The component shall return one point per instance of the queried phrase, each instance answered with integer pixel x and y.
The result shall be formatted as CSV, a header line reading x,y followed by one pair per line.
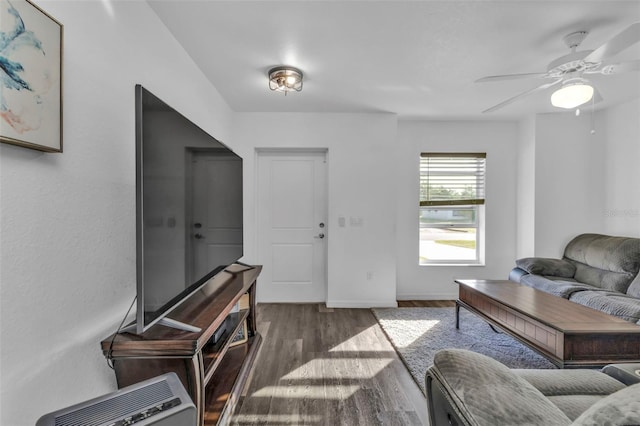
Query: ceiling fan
x,y
569,70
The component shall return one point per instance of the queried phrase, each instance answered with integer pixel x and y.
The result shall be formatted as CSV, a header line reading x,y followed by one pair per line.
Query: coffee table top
x,y
554,311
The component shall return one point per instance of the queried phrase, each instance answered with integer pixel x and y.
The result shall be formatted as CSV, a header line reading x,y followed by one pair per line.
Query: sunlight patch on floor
x,y
339,368
306,392
421,327
326,379
276,419
355,342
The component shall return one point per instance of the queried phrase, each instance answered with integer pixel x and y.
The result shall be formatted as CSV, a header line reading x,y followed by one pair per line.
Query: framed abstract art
x,y
30,77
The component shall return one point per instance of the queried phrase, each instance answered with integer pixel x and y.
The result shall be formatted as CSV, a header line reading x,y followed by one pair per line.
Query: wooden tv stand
x,y
213,374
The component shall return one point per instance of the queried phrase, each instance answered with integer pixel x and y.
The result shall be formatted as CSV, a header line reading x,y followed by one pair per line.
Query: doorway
x,y
292,225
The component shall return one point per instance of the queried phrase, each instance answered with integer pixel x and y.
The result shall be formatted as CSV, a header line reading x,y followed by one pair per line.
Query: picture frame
x,y
31,88
241,335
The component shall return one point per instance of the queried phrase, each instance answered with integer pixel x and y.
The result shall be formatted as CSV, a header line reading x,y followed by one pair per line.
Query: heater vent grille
x,y
119,406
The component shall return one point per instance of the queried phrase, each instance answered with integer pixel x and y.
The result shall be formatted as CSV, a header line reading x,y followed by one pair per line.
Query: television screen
x,y
189,208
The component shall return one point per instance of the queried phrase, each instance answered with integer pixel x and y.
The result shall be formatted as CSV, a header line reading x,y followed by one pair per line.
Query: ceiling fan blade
x,y
522,95
626,38
619,68
597,97
511,77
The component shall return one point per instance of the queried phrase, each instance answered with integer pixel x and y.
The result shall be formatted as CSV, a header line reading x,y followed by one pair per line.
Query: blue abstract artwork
x,y
30,77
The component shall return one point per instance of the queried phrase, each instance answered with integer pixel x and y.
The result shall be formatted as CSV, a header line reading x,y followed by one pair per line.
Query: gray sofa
x,y
598,271
467,388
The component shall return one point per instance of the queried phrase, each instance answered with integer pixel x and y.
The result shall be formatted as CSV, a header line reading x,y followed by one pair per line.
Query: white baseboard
x,y
293,302
362,304
430,296
373,303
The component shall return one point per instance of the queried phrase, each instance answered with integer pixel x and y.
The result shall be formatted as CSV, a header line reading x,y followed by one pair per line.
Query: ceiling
x,y
417,59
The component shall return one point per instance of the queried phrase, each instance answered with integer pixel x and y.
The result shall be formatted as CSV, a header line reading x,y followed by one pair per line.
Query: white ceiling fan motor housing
x,y
574,61
574,40
571,63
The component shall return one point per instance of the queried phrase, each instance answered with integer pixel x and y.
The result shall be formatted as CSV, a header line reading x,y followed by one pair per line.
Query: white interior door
x,y
292,226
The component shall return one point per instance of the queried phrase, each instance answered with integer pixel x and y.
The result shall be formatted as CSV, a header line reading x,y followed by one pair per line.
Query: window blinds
x,y
448,179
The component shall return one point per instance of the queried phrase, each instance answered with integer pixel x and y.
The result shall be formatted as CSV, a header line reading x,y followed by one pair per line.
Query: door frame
x,y
258,152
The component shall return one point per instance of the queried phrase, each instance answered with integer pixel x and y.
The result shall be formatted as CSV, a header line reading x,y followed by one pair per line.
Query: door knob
x,y
320,235
198,236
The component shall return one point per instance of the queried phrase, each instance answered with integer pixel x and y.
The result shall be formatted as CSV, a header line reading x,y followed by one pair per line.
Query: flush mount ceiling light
x,y
285,79
574,92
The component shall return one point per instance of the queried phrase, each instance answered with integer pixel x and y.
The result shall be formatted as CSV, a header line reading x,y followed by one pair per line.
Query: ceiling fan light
x,y
572,95
285,79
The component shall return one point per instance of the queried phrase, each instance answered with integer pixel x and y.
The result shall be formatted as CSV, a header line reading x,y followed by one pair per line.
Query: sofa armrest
x,y
546,266
478,390
442,411
629,374
517,273
619,408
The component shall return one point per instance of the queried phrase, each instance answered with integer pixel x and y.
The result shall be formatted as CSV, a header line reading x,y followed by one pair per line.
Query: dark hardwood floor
x,y
321,366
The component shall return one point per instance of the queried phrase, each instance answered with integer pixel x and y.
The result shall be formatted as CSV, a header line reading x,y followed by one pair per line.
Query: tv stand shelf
x,y
214,374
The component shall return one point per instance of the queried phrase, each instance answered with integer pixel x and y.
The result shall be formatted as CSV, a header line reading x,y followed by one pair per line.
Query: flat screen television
x,y
188,209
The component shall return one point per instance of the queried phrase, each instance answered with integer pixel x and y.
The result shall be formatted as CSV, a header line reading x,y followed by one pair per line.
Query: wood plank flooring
x,y
321,366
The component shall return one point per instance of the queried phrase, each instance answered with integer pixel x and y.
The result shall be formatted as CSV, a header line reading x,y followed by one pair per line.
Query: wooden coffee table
x,y
568,334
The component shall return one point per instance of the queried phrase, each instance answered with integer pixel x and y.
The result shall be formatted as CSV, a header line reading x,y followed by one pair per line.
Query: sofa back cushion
x,y
634,287
604,261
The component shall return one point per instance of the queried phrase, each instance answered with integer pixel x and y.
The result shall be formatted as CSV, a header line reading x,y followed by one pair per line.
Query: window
x,y
451,207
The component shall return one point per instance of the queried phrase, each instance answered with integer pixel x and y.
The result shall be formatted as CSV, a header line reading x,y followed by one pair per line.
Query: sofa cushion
x,y
612,303
607,280
574,405
572,391
517,273
490,393
634,287
570,382
547,266
604,261
561,288
620,408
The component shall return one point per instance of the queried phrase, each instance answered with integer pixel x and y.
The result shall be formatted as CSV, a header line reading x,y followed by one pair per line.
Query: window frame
x,y
477,203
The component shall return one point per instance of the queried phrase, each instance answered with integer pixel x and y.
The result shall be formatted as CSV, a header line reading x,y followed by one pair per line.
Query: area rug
x,y
418,333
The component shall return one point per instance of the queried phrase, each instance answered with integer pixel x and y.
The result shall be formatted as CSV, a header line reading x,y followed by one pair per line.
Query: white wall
x,y
499,140
569,179
361,184
572,180
526,185
621,206
67,221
